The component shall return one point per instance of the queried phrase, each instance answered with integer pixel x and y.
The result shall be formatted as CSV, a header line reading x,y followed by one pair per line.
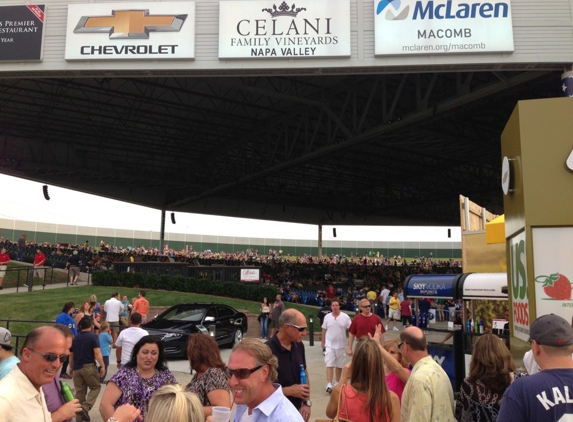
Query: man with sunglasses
x,y
287,346
21,395
363,324
251,371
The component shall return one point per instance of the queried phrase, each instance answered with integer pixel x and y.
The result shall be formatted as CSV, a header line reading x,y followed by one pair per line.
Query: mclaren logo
x,y
130,24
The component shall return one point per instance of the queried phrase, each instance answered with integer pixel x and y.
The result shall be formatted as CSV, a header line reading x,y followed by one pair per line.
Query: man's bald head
x,y
290,316
415,339
39,334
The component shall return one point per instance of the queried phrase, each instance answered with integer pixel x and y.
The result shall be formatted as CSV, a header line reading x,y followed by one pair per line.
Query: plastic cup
x,y
221,414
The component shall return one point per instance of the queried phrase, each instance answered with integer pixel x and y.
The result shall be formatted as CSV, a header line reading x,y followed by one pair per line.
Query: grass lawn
x,y
45,305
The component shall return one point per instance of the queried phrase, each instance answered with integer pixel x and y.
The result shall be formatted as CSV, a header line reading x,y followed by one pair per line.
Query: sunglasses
x,y
365,306
241,373
300,329
401,344
51,357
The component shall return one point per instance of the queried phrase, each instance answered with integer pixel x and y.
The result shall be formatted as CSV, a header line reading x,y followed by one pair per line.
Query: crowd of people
x,y
387,380
369,266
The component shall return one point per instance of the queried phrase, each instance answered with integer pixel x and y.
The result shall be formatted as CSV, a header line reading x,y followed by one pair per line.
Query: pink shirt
x,y
354,406
395,384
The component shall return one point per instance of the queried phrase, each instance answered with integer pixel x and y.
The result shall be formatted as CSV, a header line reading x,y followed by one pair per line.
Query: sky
x,y
24,200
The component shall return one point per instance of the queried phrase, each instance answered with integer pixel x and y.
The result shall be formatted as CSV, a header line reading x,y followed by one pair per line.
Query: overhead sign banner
x,y
131,31
21,32
442,27
430,285
267,29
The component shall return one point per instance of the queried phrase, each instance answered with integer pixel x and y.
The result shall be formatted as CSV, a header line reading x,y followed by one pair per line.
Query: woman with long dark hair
x,y
210,379
264,317
136,382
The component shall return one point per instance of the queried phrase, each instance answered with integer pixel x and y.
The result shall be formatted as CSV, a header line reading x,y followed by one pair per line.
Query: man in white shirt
x,y
127,339
21,396
383,301
334,328
113,309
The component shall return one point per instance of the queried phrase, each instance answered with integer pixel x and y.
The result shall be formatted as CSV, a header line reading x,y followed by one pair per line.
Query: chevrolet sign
x,y
127,31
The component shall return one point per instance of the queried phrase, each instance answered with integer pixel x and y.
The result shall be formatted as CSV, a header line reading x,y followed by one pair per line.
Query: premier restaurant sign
x,y
267,29
127,31
442,27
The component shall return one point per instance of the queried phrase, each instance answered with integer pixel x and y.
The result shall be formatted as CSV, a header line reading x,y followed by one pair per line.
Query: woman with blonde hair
x,y
210,381
395,367
492,371
365,398
172,403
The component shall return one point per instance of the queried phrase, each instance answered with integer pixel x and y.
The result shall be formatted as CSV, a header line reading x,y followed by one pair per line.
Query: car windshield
x,y
181,313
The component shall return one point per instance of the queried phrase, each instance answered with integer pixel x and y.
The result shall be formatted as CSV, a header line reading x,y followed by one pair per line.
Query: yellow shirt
x,y
371,295
394,303
428,395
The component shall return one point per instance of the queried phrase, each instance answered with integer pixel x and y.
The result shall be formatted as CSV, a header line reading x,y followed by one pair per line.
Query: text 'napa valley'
x,y
278,38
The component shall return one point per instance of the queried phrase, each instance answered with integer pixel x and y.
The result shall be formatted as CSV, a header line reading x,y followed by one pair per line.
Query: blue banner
x,y
446,359
432,285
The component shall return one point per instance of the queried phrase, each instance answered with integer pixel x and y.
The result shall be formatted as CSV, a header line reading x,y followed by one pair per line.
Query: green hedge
x,y
230,289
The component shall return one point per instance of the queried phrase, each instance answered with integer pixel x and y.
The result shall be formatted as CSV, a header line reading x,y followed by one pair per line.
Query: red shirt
x,y
330,292
406,308
362,325
4,258
39,259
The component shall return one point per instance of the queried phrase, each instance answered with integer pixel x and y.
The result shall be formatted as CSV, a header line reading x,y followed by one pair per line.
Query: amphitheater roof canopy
x,y
363,145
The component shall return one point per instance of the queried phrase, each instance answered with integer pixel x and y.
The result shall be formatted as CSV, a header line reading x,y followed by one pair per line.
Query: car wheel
x,y
237,337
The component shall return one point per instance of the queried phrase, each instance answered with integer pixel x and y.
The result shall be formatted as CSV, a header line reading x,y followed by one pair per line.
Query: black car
x,y
175,325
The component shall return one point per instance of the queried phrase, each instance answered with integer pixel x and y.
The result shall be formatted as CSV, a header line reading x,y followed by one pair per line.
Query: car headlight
x,y
171,335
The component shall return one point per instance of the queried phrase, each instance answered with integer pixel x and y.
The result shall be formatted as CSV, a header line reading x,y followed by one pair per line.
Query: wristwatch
x,y
308,403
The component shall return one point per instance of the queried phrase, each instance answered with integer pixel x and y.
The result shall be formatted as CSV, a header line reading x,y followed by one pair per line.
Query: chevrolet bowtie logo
x,y
130,24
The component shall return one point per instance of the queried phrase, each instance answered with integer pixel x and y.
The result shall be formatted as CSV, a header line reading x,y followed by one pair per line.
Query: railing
x,y
26,276
21,337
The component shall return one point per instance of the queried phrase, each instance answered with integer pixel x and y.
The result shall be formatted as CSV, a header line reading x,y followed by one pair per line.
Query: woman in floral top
x,y
492,370
209,381
135,383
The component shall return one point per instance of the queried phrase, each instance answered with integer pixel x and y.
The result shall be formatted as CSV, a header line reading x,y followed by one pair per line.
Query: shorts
x,y
3,271
407,319
274,324
114,326
335,358
123,320
74,271
394,314
39,273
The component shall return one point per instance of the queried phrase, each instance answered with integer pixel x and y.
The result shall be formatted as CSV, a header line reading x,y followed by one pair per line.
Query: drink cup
x,y
221,414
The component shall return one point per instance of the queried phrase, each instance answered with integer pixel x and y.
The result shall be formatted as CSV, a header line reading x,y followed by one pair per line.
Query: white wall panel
x,y
543,33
